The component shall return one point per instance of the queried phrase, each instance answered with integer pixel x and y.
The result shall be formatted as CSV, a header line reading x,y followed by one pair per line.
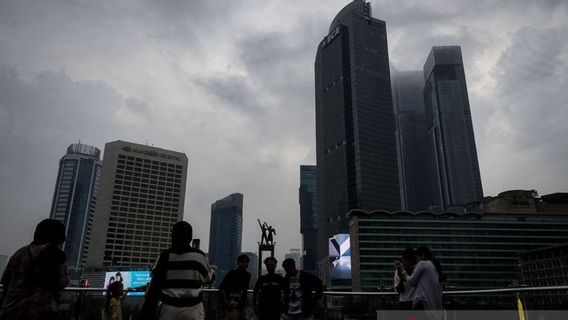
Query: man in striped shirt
x,y
177,279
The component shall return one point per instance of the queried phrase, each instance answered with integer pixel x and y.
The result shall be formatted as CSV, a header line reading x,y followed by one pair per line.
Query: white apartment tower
x,y
141,196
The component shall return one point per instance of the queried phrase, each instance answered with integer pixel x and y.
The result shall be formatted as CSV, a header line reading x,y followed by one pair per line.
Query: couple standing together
x,y
418,280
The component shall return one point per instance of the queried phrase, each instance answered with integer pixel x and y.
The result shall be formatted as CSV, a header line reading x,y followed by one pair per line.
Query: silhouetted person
x,y
268,290
405,291
298,287
35,275
113,306
233,290
177,279
426,277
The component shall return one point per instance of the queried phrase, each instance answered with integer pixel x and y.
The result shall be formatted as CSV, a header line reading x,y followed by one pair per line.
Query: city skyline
x,y
232,86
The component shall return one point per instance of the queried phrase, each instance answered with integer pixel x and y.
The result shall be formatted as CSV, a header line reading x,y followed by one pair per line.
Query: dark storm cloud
x,y
231,84
40,114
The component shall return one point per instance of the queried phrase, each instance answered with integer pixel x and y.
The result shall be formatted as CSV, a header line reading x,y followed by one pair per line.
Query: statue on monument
x,y
267,233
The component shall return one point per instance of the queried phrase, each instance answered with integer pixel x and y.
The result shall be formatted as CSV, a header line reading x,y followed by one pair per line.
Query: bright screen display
x,y
130,280
340,257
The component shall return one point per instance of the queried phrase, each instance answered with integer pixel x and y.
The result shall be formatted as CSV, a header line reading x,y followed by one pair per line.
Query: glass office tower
x,y
225,234
449,122
355,125
415,148
74,199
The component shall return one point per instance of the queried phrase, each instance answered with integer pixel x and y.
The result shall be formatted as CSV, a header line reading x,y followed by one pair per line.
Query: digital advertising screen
x,y
129,279
340,257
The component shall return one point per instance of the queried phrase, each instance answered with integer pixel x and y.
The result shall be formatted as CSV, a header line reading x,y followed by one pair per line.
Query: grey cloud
x,y
248,130
235,92
136,105
40,114
529,76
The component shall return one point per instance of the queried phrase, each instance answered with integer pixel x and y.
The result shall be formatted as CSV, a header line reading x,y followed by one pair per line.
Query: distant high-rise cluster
x,y
225,234
118,212
355,126
405,146
75,197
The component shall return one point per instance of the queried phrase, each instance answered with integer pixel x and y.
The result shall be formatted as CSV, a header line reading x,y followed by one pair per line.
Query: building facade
x,y
476,251
74,200
449,123
309,214
415,148
519,201
141,196
355,125
225,233
545,267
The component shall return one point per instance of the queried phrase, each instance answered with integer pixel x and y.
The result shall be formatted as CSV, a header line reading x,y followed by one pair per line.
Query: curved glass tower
x,y
355,125
75,197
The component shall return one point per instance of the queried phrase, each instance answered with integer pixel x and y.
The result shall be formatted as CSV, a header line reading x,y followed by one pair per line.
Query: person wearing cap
x,y
268,290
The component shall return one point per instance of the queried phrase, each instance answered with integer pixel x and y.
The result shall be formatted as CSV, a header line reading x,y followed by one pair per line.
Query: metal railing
x,y
537,303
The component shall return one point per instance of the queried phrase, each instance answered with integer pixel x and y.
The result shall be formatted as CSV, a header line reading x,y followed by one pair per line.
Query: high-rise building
x,y
415,147
225,234
449,122
309,217
355,125
74,200
141,196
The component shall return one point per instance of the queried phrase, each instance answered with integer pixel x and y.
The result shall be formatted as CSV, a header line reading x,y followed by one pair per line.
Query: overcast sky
x,y
230,83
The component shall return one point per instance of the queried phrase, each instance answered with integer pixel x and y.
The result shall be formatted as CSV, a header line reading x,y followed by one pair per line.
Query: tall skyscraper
x,y
74,199
141,196
309,216
225,234
355,125
415,147
448,119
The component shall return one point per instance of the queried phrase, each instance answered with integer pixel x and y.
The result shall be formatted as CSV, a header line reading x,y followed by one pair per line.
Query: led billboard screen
x,y
130,280
340,257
